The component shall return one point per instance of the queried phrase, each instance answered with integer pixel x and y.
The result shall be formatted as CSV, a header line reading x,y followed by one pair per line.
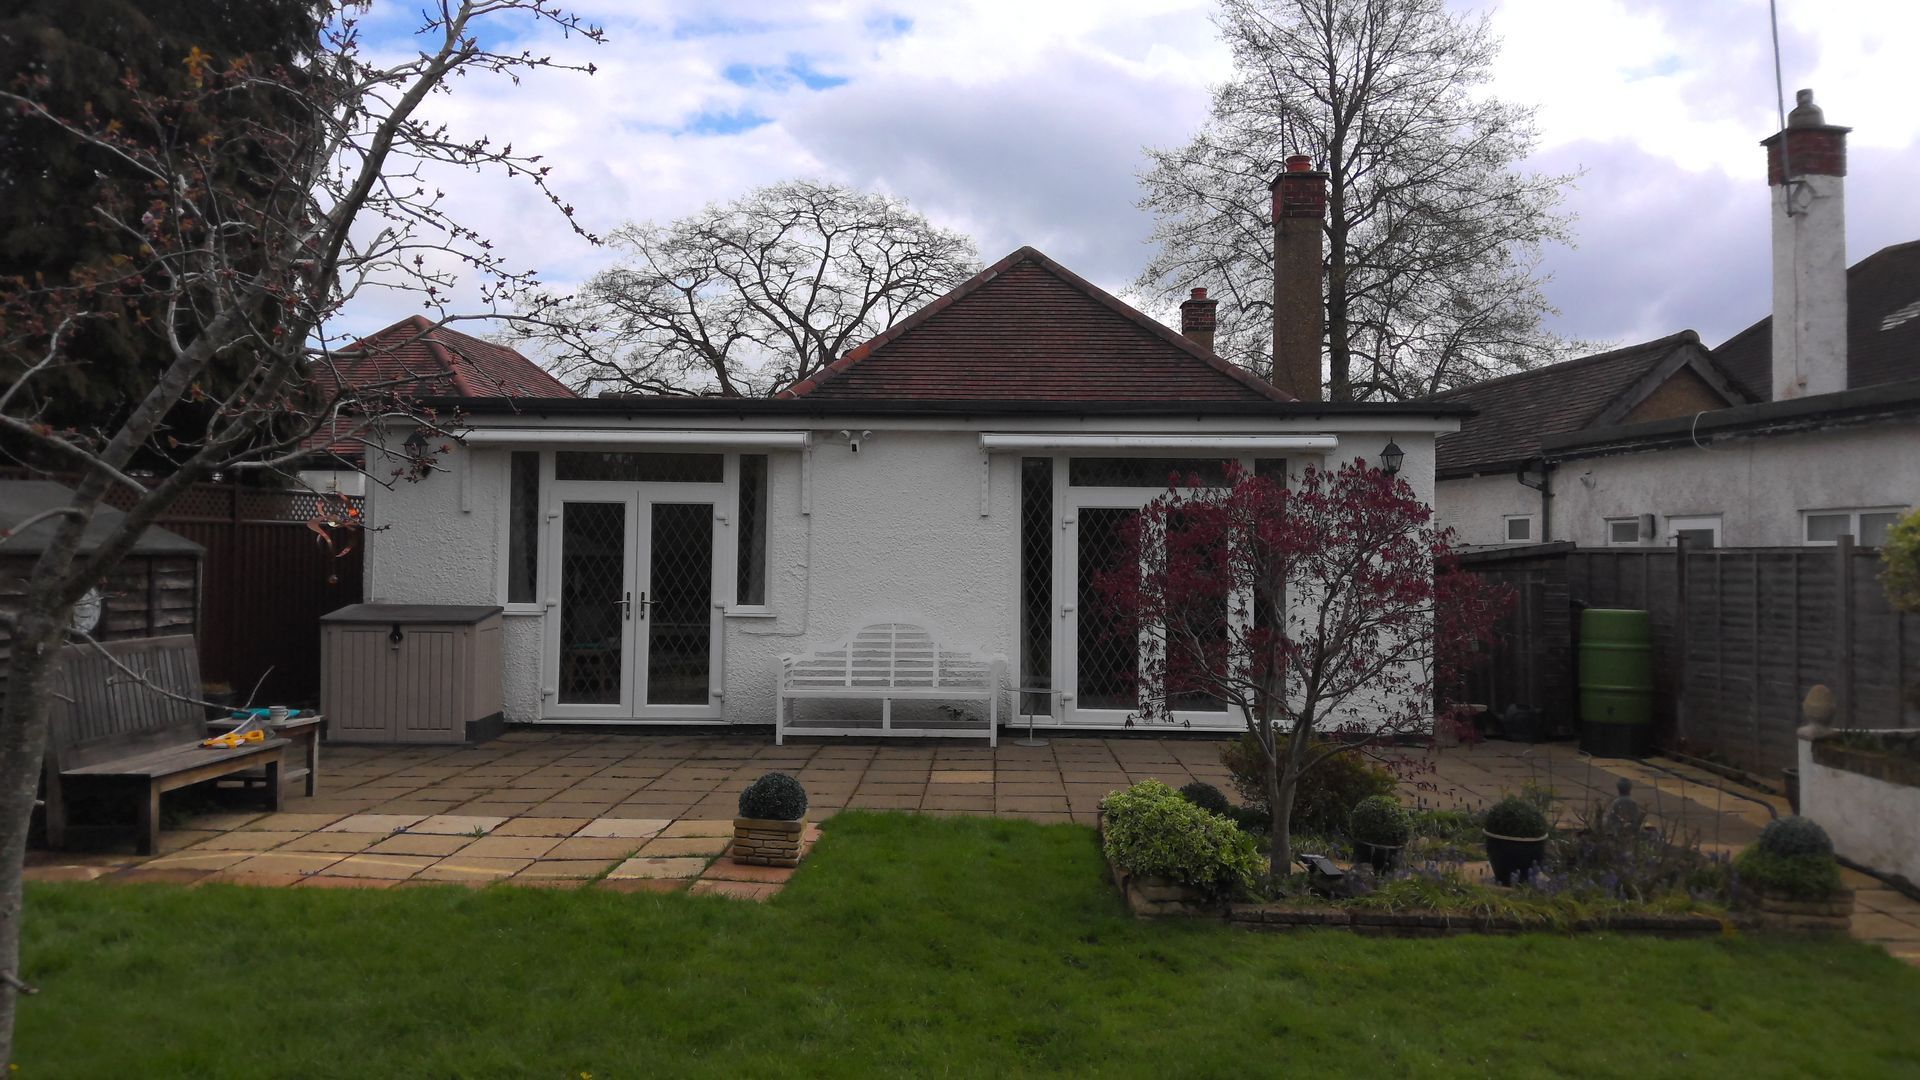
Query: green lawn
x,y
906,946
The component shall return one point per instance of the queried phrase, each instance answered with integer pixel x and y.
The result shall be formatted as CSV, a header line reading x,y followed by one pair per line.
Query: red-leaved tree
x,y
1327,611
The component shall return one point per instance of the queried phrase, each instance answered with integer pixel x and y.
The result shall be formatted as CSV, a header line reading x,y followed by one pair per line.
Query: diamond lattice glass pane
x,y
523,528
593,553
639,467
751,584
680,609
1208,623
1109,657
1036,581
1142,471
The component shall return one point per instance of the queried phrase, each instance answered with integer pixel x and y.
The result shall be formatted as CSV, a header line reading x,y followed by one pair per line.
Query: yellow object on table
x,y
233,739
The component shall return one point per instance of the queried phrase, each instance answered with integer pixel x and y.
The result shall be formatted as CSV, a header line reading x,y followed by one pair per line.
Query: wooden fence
x,y
265,582
1740,635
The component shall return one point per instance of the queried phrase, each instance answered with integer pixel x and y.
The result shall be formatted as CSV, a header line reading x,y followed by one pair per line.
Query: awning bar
x,y
734,440
994,442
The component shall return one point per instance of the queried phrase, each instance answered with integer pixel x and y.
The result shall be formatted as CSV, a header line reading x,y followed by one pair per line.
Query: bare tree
x,y
750,297
1433,231
248,236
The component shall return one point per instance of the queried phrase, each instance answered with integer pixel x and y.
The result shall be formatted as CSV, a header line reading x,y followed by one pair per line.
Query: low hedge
x,y
1153,831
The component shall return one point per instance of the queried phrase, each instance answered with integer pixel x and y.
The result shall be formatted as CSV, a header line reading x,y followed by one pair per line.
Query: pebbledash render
x,y
967,470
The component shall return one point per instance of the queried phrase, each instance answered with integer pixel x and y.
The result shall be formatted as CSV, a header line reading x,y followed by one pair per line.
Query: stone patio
x,y
649,812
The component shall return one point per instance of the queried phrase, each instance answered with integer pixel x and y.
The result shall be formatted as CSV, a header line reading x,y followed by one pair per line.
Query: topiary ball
x,y
1517,818
774,797
1795,836
1379,819
1206,797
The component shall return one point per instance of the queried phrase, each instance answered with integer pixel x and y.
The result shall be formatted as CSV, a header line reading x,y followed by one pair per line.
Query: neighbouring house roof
x,y
22,499
1883,327
1887,403
1028,329
1515,412
423,359
418,359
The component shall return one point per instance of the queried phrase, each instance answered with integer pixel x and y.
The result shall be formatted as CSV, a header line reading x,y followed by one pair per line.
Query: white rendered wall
x,y
1476,508
1759,486
893,530
1871,821
1809,287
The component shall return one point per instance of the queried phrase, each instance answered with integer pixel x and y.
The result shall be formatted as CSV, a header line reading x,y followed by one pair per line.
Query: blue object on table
x,y
262,714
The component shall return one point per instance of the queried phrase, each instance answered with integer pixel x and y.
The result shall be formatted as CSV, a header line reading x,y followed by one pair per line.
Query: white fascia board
x,y
636,438
1009,442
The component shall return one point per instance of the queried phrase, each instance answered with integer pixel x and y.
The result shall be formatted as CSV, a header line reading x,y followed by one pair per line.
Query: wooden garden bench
x,y
890,661
108,733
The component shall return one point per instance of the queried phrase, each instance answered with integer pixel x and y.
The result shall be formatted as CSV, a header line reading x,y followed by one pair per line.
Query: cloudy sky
x,y
1022,122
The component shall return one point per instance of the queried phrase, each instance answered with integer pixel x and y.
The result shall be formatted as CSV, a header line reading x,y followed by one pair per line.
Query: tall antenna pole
x,y
1780,102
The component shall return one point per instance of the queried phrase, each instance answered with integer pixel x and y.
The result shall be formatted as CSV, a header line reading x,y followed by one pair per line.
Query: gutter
x,y
744,408
1821,412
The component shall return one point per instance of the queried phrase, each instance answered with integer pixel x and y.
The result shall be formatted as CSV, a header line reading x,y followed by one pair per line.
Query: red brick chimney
x,y
1299,311
1197,319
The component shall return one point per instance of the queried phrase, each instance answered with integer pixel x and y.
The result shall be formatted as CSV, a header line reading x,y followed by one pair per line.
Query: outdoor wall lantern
x,y
1390,457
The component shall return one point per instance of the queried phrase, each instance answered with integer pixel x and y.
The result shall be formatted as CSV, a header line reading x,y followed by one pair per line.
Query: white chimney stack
x,y
1806,173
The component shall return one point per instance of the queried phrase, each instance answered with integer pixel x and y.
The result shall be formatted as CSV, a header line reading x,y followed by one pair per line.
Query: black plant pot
x,y
1792,777
1382,857
1514,858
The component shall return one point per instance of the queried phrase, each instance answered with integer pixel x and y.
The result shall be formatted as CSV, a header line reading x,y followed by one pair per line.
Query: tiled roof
x,y
1028,329
415,358
438,360
1514,411
1883,327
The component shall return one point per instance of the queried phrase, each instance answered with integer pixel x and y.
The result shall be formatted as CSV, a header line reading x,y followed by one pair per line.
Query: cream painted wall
x,y
1759,487
894,530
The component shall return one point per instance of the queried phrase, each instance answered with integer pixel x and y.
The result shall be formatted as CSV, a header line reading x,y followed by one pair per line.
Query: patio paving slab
x,y
408,843
511,847
471,868
374,823
301,823
282,862
734,890
686,845
194,860
324,881
567,868
367,865
344,842
457,824
642,866
690,827
623,827
540,826
607,848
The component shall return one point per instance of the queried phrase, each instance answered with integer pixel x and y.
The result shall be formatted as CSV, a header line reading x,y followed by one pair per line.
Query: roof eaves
x,y
1863,405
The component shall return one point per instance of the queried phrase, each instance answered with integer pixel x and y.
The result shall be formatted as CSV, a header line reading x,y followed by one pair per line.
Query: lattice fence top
x,y
220,502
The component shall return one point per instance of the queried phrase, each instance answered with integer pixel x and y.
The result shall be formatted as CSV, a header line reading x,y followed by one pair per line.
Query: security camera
x,y
853,440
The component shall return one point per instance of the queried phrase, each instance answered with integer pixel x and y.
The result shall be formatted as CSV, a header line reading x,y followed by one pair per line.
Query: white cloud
x,y
1022,122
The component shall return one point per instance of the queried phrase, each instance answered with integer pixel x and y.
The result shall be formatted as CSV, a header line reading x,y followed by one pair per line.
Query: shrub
x,y
1517,817
1326,793
1789,836
1900,554
1206,797
1800,877
1151,830
774,797
1379,819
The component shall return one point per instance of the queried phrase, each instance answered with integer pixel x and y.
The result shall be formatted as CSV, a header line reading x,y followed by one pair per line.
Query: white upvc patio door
x,y
633,632
1097,669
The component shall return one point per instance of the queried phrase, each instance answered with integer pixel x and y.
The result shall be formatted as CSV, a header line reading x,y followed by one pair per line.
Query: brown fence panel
x,y
1740,636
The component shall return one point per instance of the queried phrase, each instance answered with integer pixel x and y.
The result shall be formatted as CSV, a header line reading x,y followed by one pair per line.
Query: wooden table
x,y
303,732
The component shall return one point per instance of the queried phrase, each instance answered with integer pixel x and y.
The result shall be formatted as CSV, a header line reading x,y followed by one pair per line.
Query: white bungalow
x,y
968,469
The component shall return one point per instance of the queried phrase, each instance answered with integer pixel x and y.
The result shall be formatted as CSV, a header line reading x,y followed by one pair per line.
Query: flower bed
x,y
1864,788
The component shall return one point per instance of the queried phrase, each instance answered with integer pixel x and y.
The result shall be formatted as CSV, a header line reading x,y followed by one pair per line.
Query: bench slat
x,y
175,760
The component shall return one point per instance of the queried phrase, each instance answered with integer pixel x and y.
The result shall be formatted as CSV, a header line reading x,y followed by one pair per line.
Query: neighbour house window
x,y
1867,527
751,584
523,527
1623,531
1701,531
639,467
1519,528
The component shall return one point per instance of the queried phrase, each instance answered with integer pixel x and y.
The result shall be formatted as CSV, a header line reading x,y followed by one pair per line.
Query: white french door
x,y
634,633
1098,668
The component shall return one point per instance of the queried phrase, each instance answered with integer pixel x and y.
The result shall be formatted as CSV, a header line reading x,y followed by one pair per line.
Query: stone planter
x,y
1515,857
766,842
1829,916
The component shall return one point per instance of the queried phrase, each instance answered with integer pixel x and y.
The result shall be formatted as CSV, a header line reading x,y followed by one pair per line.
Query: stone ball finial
x,y
1818,708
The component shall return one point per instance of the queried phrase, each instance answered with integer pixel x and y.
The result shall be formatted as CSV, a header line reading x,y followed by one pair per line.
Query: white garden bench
x,y
888,661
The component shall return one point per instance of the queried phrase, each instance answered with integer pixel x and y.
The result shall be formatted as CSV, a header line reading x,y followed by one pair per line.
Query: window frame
x,y
1506,528
1853,514
1693,523
734,467
1637,541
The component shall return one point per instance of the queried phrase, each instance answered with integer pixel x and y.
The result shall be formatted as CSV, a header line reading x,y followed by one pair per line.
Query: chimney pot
x,y
1197,319
1299,163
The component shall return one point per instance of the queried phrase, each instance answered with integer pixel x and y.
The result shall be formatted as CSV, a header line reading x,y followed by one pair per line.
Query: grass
x,y
907,946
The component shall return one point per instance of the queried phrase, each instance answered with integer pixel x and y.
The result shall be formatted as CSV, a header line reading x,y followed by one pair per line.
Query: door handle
x,y
644,605
626,607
